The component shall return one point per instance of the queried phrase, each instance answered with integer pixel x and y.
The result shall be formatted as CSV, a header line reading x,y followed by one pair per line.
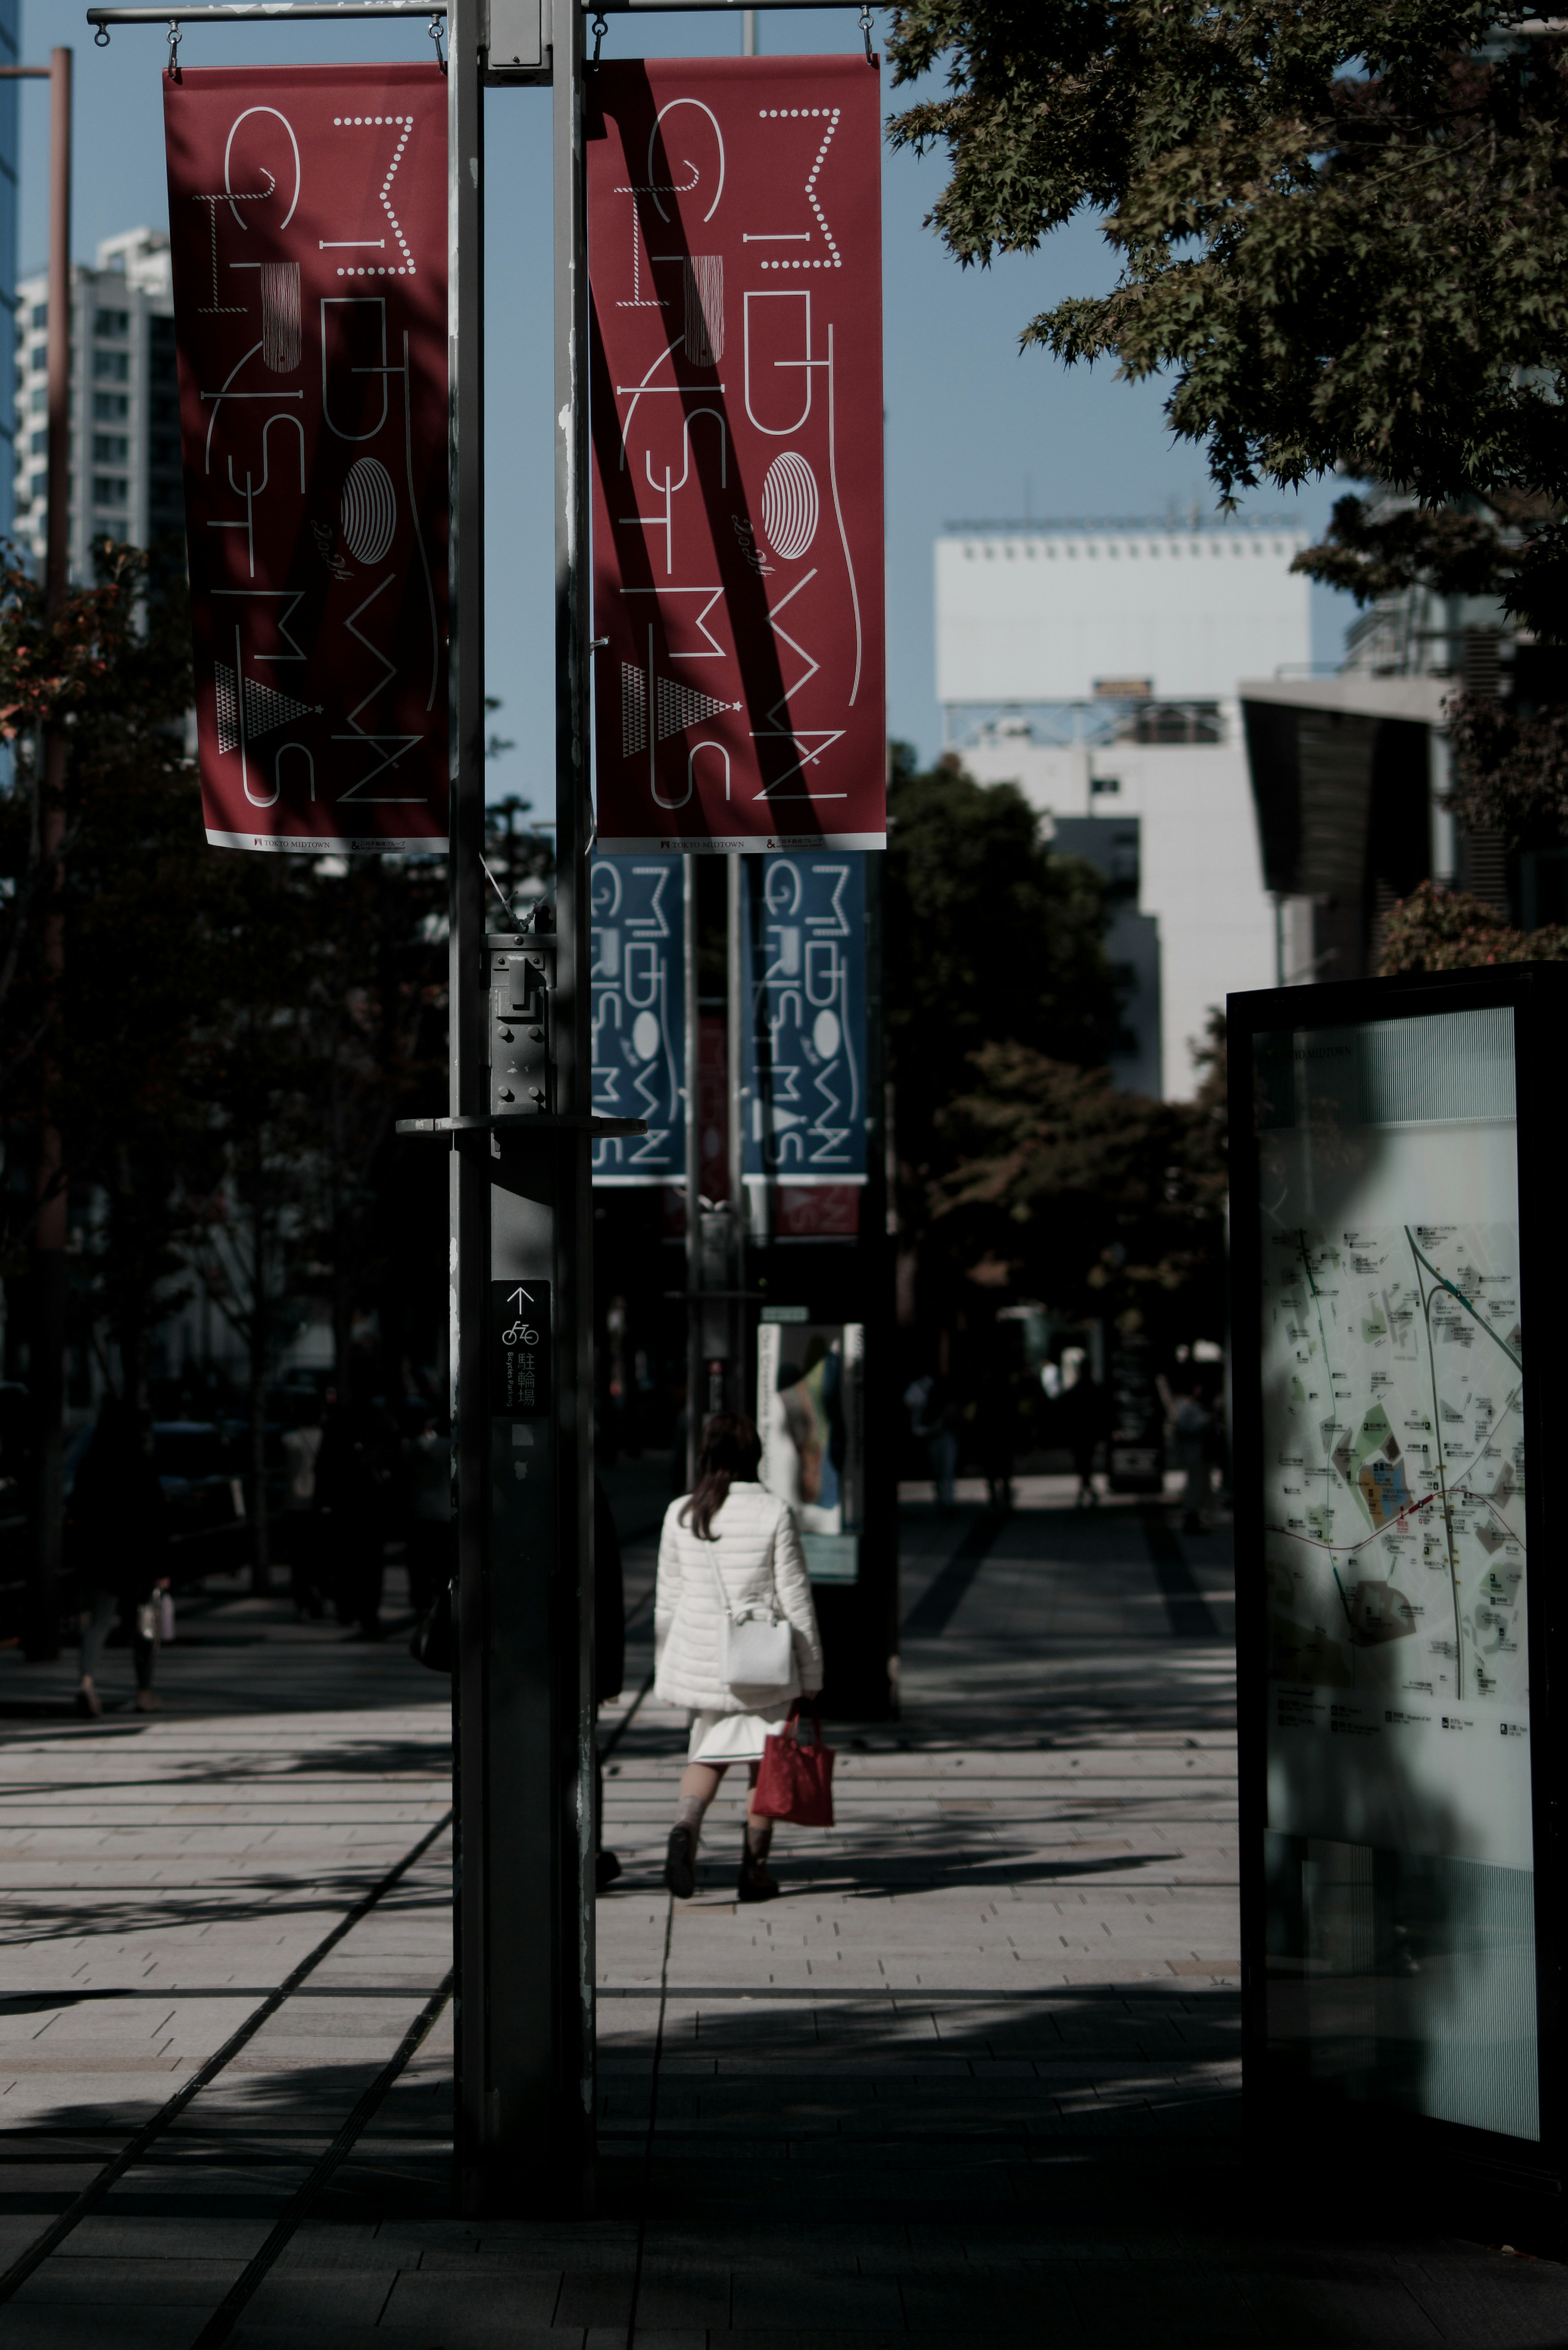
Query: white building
x,y
1066,615
1185,813
1098,668
125,472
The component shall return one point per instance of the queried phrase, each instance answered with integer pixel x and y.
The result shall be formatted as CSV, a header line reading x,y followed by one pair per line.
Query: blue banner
x,y
803,945
639,1016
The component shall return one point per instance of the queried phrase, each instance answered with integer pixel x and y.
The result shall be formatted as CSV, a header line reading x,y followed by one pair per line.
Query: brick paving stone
x,y
973,2081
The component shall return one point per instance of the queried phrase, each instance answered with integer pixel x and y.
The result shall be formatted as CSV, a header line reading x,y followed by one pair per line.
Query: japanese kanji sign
x,y
735,265
308,210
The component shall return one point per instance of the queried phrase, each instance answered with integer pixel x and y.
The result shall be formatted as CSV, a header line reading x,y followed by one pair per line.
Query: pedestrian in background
x,y
117,1538
352,1474
425,1476
1083,1416
934,1419
1191,1422
609,1658
301,1448
729,1549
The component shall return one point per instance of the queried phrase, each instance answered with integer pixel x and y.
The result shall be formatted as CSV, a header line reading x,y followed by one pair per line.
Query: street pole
x,y
520,1123
467,1043
736,1007
46,1342
694,1411
748,32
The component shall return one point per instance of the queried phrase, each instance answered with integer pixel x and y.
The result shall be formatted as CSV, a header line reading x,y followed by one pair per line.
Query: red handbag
x,y
795,1782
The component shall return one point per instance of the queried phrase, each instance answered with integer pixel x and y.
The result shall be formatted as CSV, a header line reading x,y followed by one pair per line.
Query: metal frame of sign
x,y
1293,2113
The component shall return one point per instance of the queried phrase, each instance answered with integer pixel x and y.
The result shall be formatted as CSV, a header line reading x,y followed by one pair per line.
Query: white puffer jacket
x,y
755,1551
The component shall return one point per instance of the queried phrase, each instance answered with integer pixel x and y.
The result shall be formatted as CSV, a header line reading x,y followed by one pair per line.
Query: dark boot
x,y
680,1863
756,1881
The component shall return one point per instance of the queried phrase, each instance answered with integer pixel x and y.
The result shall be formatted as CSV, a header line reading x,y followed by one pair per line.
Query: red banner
x,y
307,212
734,239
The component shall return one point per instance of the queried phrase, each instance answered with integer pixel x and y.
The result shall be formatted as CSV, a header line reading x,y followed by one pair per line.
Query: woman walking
x,y
728,1560
117,1537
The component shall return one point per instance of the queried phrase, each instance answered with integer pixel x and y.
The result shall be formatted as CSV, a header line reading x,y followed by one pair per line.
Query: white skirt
x,y
734,1737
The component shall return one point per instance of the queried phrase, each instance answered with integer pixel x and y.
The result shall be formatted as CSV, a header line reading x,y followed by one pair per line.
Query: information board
x,y
308,236
803,972
1399,1805
639,1016
734,246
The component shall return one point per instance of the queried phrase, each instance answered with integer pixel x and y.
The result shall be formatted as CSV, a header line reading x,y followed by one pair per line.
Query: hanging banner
x,y
734,242
307,213
639,1016
803,950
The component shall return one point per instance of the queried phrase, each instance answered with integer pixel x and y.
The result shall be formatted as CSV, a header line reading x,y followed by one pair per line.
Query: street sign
x,y
307,213
520,1351
803,974
735,260
639,1016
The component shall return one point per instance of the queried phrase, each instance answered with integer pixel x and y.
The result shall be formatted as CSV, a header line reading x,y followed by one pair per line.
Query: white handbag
x,y
756,1646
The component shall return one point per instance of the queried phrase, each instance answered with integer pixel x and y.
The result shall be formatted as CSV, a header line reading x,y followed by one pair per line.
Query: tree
x,y
143,912
1447,929
1343,232
989,937
1098,1203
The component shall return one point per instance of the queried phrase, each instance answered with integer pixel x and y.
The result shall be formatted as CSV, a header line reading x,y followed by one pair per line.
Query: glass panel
x,y
1401,1893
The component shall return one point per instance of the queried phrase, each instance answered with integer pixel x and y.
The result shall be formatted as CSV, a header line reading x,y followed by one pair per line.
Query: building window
x,y
163,450
111,367
38,399
110,449
39,357
113,324
110,407
164,410
40,317
109,490
41,442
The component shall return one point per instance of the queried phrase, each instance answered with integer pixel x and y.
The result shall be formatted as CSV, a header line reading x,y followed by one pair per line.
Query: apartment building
x,y
125,476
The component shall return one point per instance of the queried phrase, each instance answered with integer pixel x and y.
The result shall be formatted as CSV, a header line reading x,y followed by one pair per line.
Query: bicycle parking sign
x,y
520,1350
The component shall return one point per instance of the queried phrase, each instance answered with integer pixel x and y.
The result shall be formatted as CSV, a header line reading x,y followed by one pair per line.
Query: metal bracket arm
x,y
241,12
518,1121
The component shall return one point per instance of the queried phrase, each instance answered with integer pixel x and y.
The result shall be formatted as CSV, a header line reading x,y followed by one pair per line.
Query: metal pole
x,y
45,1374
694,1412
735,1071
469,1091
748,32
564,2153
525,2093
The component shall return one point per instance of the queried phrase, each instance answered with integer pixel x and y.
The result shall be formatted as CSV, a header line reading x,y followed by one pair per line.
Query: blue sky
x,y
974,429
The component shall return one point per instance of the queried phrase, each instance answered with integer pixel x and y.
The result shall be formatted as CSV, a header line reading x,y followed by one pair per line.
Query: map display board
x,y
803,947
1394,1481
307,217
734,247
639,1016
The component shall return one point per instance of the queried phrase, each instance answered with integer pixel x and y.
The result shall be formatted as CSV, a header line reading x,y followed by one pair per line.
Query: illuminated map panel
x,y
1401,1931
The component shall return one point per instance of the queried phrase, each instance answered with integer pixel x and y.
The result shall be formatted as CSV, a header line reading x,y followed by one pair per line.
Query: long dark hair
x,y
731,1448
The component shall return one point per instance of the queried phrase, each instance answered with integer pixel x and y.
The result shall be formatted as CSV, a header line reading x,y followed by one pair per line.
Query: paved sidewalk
x,y
973,2080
